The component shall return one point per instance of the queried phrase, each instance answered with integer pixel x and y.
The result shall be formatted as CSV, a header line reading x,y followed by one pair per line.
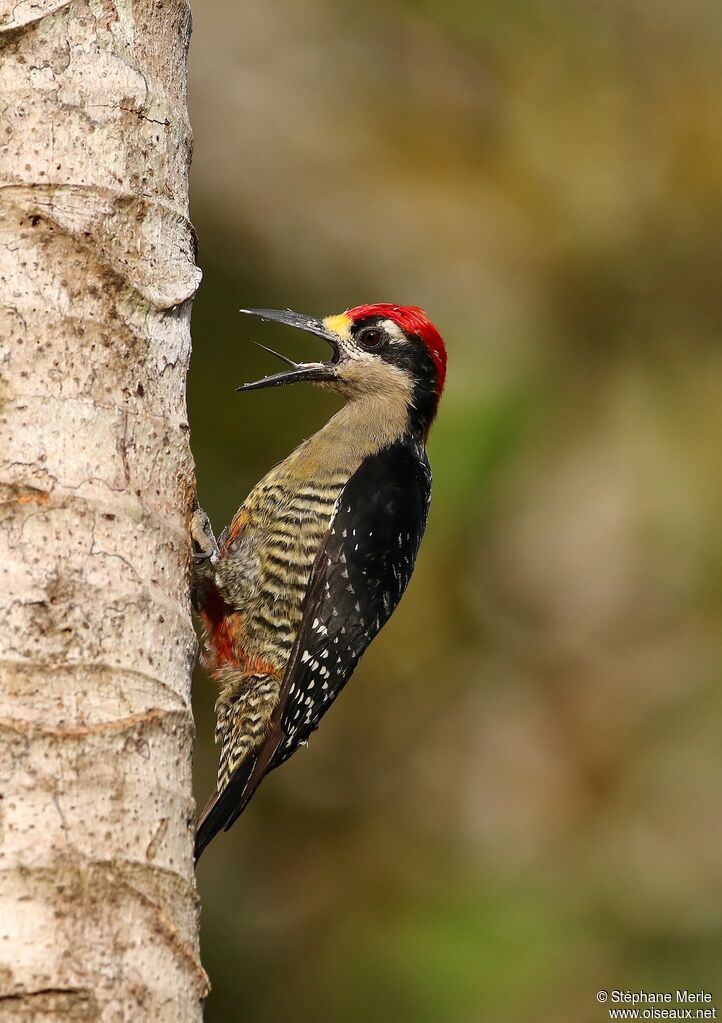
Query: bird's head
x,y
382,351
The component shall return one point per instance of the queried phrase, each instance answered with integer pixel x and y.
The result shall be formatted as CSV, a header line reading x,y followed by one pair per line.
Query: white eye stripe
x,y
393,330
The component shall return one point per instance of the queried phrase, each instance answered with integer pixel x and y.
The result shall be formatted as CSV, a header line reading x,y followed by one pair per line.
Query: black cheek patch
x,y
415,359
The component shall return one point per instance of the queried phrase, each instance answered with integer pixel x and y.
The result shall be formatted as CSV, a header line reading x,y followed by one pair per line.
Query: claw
x,y
202,536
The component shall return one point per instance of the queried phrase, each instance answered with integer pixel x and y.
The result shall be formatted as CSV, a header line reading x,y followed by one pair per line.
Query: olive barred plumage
x,y
321,551
241,718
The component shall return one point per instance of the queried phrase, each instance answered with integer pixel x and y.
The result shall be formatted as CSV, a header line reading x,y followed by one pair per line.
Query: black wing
x,y
358,577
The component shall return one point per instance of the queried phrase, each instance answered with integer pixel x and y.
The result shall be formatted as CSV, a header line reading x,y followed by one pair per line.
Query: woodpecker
x,y
317,557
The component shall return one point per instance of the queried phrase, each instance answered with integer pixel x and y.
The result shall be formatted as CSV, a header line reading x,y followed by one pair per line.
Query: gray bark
x,y
98,909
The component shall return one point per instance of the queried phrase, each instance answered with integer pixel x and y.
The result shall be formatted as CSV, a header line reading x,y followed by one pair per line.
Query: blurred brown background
x,y
518,799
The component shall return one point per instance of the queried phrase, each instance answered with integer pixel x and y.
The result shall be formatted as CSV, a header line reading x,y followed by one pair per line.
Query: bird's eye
x,y
371,337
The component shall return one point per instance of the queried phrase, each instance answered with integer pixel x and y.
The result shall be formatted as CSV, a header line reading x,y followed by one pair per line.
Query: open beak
x,y
314,371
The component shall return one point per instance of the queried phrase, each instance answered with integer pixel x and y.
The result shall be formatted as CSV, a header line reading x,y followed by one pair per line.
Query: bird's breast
x,y
273,541
284,522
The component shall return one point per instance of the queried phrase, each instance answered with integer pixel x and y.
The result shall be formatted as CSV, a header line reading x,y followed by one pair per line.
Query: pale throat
x,y
367,423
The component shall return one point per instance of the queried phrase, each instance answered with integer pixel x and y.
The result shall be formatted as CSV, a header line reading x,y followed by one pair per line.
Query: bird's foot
x,y
202,536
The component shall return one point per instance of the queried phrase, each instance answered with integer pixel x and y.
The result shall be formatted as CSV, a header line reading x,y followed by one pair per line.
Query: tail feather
x,y
222,808
225,807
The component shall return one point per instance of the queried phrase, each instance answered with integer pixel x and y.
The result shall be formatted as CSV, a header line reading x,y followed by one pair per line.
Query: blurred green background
x,y
517,801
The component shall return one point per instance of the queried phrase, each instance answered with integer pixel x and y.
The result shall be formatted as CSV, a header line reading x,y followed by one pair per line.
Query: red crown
x,y
414,320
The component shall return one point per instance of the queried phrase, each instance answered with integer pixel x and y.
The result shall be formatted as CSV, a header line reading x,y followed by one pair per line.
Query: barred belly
x,y
293,525
262,576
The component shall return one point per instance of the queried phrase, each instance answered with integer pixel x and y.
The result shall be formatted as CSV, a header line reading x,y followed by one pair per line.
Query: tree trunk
x,y
98,911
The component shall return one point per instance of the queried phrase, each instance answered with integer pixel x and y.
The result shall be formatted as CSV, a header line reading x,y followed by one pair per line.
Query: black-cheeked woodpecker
x,y
319,554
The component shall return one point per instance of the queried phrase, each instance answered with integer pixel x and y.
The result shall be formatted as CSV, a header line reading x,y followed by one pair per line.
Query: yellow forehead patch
x,y
340,324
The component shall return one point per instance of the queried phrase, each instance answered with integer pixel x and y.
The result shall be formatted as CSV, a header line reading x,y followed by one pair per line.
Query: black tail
x,y
221,810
